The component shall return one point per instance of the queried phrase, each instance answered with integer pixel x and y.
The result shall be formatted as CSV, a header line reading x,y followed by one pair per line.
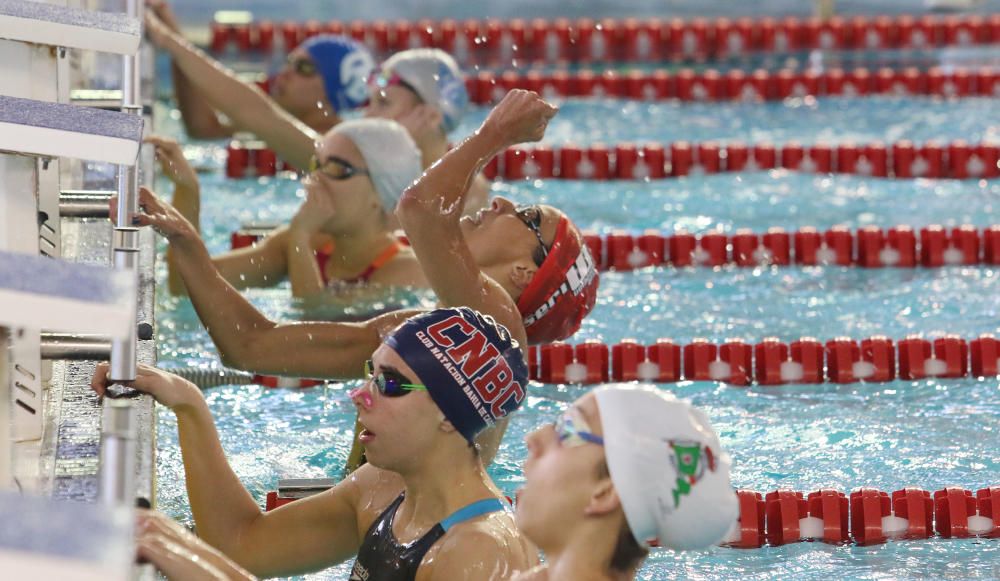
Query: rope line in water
x,y
208,378
771,362
653,161
495,42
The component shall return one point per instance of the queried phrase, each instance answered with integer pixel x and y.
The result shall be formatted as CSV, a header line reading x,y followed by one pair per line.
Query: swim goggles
x,y
335,168
382,80
531,216
390,384
302,66
575,432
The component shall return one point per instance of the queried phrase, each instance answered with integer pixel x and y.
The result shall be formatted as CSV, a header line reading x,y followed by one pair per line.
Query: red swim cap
x,y
563,290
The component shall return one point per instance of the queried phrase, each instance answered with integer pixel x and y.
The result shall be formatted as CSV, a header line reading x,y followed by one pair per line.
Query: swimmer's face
x,y
398,431
298,87
562,481
503,235
393,102
352,196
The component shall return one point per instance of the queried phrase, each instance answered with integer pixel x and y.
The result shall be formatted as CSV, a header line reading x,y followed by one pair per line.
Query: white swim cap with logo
x,y
391,155
668,467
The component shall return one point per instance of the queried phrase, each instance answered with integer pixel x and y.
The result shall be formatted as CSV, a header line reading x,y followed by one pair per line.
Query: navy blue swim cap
x,y
474,371
345,65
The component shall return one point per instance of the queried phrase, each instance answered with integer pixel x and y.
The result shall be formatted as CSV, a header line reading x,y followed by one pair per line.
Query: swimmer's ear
x,y
604,499
521,273
446,426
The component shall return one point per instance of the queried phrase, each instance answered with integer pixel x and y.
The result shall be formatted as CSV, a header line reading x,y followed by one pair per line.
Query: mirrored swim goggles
x,y
572,430
390,383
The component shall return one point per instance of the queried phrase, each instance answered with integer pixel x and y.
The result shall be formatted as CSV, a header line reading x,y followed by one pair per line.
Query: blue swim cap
x,y
345,66
474,371
435,77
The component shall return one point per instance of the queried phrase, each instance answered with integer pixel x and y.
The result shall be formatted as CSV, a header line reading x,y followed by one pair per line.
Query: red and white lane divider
x,y
493,42
866,516
869,247
737,85
902,159
770,362
627,161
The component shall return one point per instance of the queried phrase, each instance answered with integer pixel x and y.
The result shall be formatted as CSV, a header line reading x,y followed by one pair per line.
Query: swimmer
x,y
526,266
422,508
341,234
423,89
322,79
624,465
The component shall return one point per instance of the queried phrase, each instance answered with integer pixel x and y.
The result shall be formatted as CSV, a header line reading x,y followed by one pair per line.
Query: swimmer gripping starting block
x,y
52,294
54,25
59,130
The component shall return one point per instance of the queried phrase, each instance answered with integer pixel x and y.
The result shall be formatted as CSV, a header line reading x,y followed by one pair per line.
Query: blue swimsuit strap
x,y
470,511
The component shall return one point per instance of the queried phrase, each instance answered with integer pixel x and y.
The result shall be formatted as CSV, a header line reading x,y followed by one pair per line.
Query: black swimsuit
x,y
382,558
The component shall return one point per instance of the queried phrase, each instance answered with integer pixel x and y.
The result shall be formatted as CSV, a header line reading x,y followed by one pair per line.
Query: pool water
x,y
928,433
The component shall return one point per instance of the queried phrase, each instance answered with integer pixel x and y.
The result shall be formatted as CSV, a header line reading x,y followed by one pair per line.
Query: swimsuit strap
x,y
470,511
380,261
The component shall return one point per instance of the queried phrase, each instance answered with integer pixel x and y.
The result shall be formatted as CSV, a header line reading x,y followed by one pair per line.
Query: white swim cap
x,y
391,155
435,77
668,467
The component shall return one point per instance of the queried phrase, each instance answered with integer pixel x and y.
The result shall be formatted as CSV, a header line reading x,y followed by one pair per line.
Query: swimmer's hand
x,y
178,553
315,211
166,388
175,165
163,217
520,117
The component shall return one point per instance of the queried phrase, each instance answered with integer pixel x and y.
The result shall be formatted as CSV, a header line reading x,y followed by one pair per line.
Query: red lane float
x,y
755,85
629,161
609,40
771,362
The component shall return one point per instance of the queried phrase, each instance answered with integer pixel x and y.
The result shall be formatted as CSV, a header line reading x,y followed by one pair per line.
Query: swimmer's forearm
x,y
303,270
200,119
446,183
246,105
229,318
187,201
221,506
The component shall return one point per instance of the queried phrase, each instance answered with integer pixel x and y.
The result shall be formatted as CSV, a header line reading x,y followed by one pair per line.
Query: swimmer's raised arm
x,y
431,208
245,338
200,120
246,105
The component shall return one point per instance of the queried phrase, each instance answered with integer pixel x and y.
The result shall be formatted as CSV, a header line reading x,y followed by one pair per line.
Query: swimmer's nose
x,y
362,397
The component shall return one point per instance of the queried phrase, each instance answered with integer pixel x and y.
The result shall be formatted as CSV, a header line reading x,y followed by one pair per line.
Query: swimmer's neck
x,y
440,487
585,555
355,250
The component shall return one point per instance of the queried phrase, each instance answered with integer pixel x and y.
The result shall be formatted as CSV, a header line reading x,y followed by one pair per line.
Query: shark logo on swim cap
x,y
354,72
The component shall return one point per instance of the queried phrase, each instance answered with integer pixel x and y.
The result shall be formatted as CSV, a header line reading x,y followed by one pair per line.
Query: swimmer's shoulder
x,y
488,547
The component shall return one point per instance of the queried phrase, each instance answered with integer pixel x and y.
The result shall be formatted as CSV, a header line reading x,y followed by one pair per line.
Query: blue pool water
x,y
929,433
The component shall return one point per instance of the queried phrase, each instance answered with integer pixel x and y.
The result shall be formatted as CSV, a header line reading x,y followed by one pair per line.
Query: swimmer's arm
x,y
200,120
312,533
246,105
247,340
429,212
260,265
